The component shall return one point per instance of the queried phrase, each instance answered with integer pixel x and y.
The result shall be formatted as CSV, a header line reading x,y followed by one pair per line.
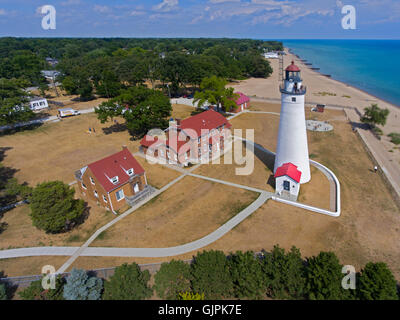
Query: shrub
x,y
36,292
3,292
211,275
324,278
246,274
172,278
79,286
54,208
395,137
128,283
190,296
284,274
376,282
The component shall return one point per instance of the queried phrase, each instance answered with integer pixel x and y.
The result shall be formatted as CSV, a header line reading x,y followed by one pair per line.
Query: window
x,y
131,172
91,180
84,186
293,99
104,199
96,194
286,185
120,195
115,180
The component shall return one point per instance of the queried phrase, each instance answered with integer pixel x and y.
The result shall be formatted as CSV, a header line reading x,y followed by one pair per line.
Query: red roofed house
x,y
190,139
243,102
114,182
287,181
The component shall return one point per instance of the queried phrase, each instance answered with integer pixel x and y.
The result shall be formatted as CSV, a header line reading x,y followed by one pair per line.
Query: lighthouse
x,y
292,145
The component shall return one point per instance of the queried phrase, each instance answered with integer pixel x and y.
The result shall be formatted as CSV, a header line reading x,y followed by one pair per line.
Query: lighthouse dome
x,y
293,68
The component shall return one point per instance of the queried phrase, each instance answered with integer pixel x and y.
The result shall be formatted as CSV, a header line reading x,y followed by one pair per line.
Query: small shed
x,y
287,181
243,102
320,108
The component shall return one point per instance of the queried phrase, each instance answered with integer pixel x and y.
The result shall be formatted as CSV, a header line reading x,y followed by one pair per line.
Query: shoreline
x,y
332,77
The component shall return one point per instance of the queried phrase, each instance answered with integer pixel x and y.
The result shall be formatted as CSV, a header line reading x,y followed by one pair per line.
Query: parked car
x,y
68,112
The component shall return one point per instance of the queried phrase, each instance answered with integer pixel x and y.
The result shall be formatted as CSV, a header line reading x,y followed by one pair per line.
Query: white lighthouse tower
x,y
292,139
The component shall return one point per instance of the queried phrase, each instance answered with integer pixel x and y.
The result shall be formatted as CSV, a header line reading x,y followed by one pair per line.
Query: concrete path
x,y
139,252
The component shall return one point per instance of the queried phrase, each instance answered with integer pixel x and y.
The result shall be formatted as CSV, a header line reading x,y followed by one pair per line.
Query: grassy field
x,y
187,211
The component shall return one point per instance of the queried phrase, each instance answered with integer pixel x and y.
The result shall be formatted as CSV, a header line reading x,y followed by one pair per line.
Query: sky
x,y
258,19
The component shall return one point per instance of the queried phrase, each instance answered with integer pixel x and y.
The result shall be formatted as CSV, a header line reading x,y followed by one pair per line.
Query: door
x,y
136,188
286,185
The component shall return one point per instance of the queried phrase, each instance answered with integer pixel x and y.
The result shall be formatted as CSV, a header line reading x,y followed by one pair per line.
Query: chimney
x,y
124,147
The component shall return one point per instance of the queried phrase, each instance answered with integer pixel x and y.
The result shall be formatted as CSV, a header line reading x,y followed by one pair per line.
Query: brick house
x,y
189,140
113,182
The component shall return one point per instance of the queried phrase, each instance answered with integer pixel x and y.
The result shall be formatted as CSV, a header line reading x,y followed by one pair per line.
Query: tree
x,y
128,283
172,278
374,115
143,109
376,282
15,189
79,286
246,274
210,275
213,91
284,274
43,87
3,292
36,292
324,278
13,102
53,207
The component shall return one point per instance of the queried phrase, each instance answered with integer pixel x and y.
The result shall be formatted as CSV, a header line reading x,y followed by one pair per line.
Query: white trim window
x,y
96,194
105,199
131,172
83,186
120,195
92,181
115,180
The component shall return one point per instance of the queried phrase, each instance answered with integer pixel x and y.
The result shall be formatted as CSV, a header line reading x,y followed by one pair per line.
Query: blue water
x,y
371,65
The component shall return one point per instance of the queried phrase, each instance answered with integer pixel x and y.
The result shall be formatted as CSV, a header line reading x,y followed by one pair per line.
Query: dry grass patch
x,y
264,106
55,151
157,175
227,172
189,210
21,233
29,266
181,111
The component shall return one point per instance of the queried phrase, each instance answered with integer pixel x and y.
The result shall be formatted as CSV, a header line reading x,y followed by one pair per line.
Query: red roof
x,y
242,98
115,166
206,120
293,67
290,170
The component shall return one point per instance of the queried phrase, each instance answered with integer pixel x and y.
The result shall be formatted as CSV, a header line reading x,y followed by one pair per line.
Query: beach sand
x,y
321,89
